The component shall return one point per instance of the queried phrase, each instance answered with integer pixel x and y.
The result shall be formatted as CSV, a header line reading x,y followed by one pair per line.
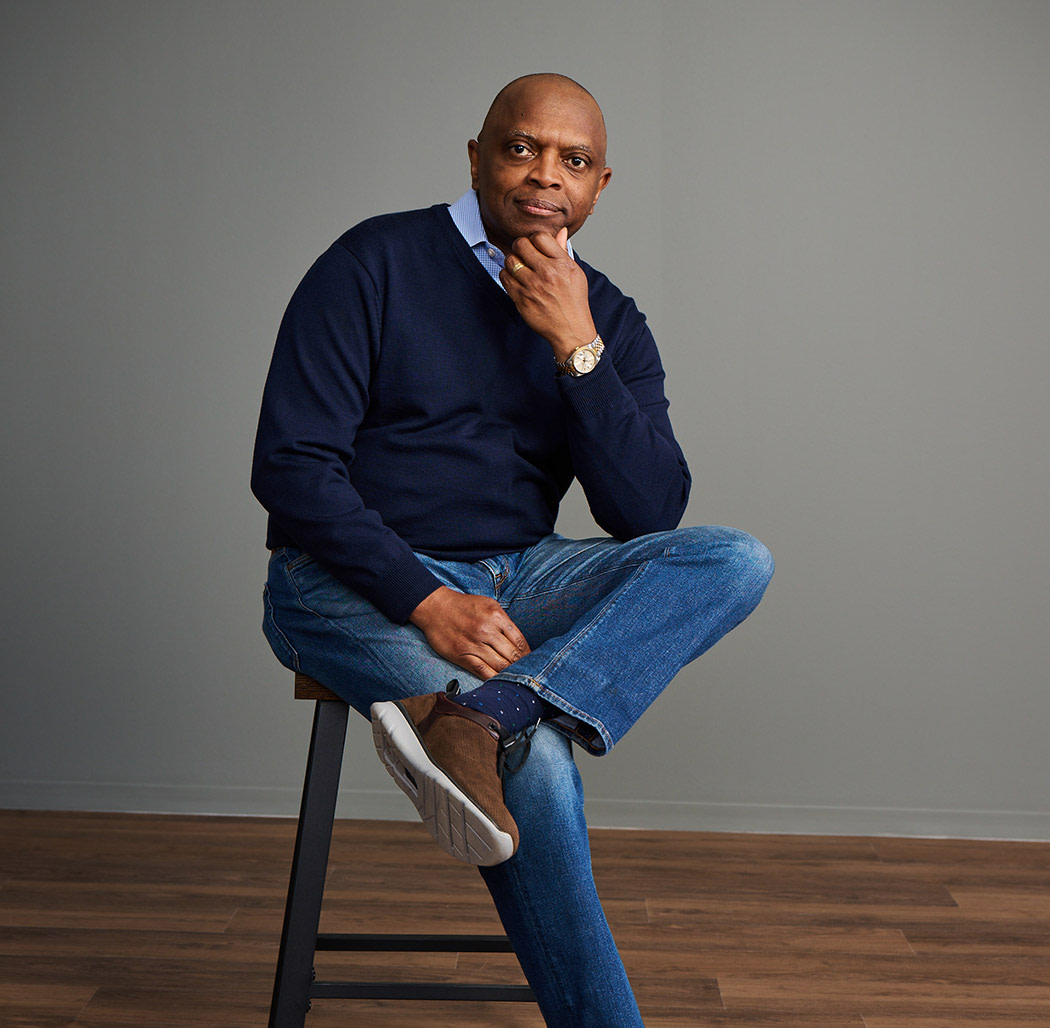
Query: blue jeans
x,y
610,624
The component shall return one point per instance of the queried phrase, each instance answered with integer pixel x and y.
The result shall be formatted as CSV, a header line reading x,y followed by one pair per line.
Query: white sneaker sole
x,y
460,827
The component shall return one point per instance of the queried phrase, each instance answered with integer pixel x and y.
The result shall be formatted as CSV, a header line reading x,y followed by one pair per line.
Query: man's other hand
x,y
550,291
473,632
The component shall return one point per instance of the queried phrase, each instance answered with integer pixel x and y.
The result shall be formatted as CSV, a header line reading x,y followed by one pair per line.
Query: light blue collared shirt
x,y
466,215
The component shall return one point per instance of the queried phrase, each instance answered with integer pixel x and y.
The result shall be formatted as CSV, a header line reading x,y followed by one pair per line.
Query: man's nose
x,y
546,170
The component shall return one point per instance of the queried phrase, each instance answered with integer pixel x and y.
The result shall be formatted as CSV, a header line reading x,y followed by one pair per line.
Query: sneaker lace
x,y
513,752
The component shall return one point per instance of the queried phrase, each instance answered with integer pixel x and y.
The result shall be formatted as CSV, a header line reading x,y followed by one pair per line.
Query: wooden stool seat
x,y
295,984
307,688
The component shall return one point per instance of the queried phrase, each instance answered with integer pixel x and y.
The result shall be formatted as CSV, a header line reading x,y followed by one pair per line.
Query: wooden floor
x,y
114,920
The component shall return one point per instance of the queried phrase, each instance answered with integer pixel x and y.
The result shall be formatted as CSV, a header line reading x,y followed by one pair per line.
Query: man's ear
x,y
602,183
472,152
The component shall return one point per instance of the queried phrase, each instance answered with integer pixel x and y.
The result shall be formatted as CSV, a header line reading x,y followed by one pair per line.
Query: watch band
x,y
583,359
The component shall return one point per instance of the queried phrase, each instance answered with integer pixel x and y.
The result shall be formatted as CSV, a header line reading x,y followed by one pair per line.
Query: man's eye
x,y
518,149
578,162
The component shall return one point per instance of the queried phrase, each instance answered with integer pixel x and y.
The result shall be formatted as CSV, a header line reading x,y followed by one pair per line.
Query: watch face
x,y
583,360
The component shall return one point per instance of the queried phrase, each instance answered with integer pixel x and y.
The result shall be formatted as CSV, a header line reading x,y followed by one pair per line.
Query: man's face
x,y
539,162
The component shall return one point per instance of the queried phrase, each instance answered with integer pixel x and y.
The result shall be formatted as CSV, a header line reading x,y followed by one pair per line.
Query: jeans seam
x,y
574,554
585,578
539,934
271,617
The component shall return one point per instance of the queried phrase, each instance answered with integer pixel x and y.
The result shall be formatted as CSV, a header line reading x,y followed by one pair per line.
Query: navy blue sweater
x,y
408,407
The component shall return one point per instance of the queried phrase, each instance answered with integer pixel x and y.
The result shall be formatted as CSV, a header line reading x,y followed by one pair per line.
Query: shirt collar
x,y
466,214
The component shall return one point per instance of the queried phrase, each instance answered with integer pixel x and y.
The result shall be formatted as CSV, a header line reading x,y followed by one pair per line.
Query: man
x,y
438,380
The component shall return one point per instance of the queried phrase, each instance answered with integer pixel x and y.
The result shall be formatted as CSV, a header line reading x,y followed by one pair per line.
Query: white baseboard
x,y
390,805
814,820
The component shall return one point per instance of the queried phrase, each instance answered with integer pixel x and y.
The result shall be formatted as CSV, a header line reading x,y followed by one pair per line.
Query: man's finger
x,y
485,661
476,666
543,244
511,643
524,250
508,643
521,644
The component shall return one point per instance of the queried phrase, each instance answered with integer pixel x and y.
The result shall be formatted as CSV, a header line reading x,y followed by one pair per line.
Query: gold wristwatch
x,y
583,359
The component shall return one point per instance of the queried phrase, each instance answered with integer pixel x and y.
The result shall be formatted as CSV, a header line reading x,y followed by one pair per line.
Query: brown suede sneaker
x,y
446,759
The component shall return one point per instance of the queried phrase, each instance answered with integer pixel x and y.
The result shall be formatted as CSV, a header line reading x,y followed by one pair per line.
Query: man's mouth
x,y
540,208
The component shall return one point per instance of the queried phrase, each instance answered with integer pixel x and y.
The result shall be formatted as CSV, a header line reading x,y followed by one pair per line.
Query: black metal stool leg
x,y
313,839
294,983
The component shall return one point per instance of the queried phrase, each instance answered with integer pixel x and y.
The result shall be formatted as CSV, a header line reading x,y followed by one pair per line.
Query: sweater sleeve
x,y
315,397
624,452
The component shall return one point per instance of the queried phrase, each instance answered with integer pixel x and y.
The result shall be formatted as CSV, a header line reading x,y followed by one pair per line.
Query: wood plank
x,y
869,995
1020,906
794,942
41,1006
111,905
696,912
980,938
954,1021
116,1008
963,853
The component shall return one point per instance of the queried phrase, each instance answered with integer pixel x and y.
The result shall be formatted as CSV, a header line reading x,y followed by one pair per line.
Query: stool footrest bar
x,y
415,943
420,990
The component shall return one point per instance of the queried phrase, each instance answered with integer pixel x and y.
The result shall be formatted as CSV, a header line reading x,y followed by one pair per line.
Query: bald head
x,y
516,95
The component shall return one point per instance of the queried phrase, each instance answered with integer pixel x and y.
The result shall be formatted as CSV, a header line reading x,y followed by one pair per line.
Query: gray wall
x,y
836,215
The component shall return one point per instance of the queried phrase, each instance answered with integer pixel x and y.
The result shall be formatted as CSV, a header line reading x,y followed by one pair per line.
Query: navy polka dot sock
x,y
514,706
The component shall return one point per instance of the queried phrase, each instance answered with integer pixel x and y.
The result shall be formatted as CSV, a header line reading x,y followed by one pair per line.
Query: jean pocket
x,y
299,561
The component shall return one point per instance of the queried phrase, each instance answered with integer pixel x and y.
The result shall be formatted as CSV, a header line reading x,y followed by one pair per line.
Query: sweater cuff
x,y
591,395
404,585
